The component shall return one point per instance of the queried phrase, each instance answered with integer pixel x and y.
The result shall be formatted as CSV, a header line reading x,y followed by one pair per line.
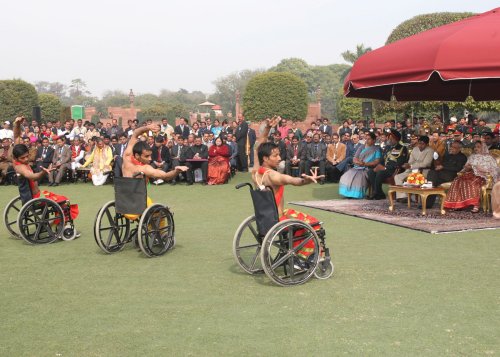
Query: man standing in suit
x,y
241,141
197,151
182,129
62,156
336,153
44,155
325,128
316,156
160,156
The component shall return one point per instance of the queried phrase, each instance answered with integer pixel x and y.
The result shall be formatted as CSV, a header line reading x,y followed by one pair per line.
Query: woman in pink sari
x,y
218,163
465,190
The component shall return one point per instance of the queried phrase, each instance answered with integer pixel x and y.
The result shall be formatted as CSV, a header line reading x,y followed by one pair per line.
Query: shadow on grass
x,y
259,278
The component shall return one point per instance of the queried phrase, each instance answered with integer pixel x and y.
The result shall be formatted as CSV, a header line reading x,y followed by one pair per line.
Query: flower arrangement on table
x,y
415,179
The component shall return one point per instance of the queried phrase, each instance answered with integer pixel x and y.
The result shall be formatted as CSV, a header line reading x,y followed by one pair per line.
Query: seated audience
x,y
335,155
5,157
354,182
495,200
316,156
197,152
101,159
293,157
44,155
218,163
465,190
393,157
160,157
420,159
446,170
62,156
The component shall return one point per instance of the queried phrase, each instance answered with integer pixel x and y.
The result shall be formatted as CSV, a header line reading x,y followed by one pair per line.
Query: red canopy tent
x,y
446,63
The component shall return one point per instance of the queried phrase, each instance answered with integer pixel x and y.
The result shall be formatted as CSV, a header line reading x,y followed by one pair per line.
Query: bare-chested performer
x,y
137,158
27,179
265,174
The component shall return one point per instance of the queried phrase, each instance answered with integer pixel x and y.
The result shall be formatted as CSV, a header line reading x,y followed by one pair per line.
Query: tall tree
x,y
352,57
50,106
17,97
78,88
274,93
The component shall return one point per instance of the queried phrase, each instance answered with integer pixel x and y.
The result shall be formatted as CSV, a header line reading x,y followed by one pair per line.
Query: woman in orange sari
x,y
218,163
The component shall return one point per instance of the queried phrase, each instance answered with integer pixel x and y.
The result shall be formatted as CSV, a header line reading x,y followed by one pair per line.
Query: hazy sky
x,y
152,45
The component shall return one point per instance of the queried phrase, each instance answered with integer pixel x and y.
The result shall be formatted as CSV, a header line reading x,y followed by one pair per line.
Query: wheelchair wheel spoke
x,y
253,230
255,257
248,246
280,261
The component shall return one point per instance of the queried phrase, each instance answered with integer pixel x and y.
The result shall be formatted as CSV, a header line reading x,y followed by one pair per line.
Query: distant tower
x,y
131,97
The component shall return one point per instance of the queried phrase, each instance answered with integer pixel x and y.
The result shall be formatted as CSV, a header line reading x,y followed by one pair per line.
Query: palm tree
x,y
352,57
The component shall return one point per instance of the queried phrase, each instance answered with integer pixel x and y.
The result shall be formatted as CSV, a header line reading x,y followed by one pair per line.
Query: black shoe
x,y
370,197
379,197
51,184
204,183
56,184
322,182
173,183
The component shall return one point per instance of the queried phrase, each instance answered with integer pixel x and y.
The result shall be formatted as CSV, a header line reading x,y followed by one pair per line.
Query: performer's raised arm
x,y
17,130
136,134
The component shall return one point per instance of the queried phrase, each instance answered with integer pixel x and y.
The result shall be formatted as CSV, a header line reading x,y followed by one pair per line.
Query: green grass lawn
x,y
395,292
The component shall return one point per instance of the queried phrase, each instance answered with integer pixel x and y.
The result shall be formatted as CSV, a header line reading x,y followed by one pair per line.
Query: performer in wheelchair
x,y
265,174
28,180
137,160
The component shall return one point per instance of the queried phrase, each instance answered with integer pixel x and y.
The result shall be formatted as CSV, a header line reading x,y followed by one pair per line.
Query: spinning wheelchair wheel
x,y
156,230
324,270
10,214
111,229
290,252
246,246
40,221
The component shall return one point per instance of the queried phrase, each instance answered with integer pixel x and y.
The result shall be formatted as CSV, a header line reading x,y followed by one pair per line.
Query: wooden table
x,y
422,192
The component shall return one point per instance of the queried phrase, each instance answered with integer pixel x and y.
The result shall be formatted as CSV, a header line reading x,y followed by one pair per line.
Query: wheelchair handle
x,y
138,174
240,185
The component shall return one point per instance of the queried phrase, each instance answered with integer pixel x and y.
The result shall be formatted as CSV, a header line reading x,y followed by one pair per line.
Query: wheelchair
x,y
128,219
264,244
39,220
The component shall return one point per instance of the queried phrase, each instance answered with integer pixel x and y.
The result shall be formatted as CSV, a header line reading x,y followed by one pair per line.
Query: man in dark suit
x,y
182,129
325,128
293,156
252,138
44,155
197,151
447,169
178,155
316,156
241,141
160,155
233,150
62,156
118,155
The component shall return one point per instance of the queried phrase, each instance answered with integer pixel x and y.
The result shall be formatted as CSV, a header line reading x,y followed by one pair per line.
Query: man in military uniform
x,y
395,155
